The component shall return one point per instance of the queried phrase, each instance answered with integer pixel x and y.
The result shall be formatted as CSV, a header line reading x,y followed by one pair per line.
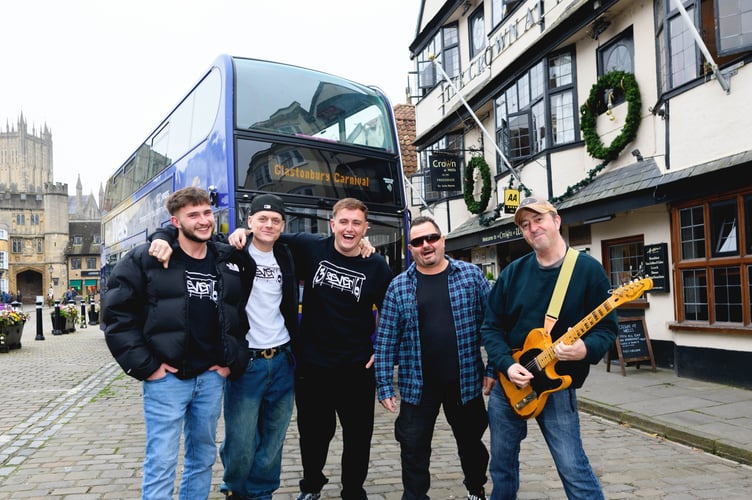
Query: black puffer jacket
x,y
145,310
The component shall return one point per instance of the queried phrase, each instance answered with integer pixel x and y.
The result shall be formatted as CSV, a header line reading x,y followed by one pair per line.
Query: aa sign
x,y
511,200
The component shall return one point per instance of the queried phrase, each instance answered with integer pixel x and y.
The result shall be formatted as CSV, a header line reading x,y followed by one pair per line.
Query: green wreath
x,y
473,205
611,80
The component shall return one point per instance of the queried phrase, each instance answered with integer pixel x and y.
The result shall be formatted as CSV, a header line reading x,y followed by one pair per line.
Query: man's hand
x,y
238,238
519,375
574,352
224,371
390,404
161,250
370,362
161,372
366,249
488,384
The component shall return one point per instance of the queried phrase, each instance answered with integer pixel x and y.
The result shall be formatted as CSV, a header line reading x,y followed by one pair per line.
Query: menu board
x,y
656,266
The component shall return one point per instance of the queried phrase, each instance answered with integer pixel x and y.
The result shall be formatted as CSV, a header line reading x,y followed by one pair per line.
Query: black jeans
x,y
322,395
414,431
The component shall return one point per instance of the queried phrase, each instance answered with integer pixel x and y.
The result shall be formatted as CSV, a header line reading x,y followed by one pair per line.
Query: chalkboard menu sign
x,y
632,344
656,266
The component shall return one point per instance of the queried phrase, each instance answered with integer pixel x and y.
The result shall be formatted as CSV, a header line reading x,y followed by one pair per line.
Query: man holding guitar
x,y
520,332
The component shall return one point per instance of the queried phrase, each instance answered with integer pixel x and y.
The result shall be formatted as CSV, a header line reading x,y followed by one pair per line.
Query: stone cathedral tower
x,y
33,213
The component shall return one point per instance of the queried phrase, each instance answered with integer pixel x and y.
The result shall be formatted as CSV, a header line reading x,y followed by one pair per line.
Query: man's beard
x,y
192,236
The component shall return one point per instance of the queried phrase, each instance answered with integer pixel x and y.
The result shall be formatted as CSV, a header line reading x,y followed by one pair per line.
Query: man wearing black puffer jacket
x,y
181,331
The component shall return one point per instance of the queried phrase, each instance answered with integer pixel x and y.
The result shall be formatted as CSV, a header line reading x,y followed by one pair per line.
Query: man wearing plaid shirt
x,y
430,325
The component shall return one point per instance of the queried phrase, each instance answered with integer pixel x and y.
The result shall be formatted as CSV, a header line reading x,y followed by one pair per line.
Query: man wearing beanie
x,y
258,405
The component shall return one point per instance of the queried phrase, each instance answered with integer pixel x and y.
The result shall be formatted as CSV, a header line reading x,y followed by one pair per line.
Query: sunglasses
x,y
430,238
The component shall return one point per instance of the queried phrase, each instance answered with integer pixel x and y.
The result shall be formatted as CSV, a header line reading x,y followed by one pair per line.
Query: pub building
x,y
633,119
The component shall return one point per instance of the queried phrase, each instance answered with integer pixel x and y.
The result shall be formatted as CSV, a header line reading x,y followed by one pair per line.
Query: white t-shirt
x,y
267,323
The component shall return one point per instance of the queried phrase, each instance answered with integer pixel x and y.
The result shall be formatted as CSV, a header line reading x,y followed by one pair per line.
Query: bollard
x,y
93,313
83,315
40,335
56,320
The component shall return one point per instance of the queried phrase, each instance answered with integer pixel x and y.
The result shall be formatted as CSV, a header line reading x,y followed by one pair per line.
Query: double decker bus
x,y
250,126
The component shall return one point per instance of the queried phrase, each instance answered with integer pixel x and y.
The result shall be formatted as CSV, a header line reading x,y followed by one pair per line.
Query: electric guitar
x,y
537,354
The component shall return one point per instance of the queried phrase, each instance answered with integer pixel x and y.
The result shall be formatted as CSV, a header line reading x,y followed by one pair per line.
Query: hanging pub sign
x,y
445,172
511,200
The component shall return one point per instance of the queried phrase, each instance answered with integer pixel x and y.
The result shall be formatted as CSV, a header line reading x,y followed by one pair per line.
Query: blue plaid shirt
x,y
398,338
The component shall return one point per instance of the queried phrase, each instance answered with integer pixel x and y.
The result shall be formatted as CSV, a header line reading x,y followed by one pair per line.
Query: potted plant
x,y
12,322
68,318
70,313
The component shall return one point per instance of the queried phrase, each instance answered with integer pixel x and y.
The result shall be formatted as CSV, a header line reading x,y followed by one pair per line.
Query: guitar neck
x,y
547,355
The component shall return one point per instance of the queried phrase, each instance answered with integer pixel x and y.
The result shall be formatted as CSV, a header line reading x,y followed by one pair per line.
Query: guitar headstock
x,y
634,289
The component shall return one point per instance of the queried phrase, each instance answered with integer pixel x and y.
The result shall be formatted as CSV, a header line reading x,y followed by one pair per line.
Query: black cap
x,y
268,202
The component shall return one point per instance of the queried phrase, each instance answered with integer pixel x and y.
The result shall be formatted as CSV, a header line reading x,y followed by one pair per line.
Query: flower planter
x,y
10,337
67,324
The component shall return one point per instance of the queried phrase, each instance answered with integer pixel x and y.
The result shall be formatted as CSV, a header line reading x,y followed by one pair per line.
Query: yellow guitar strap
x,y
557,299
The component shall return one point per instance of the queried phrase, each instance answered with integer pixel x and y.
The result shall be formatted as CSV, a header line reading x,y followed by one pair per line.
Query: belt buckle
x,y
269,353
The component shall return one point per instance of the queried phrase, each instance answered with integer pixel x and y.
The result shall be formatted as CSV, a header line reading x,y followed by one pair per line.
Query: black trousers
x,y
322,396
414,431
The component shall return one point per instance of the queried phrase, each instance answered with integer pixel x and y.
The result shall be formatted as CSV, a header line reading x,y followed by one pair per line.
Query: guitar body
x,y
528,401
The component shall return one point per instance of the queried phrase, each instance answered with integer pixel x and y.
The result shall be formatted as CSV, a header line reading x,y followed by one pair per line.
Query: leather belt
x,y
269,352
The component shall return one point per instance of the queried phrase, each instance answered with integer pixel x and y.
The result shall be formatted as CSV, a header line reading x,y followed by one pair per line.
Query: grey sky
x,y
103,74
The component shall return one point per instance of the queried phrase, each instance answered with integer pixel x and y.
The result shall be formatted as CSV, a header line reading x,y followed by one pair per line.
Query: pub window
x,y
725,29
692,228
477,32
500,10
76,263
624,259
714,267
723,228
445,46
537,111
616,55
91,263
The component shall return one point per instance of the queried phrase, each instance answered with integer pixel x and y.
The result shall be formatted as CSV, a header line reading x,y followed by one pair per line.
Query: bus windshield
x,y
289,100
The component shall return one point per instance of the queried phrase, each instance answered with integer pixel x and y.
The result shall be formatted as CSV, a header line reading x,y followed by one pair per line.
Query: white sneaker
x,y
308,496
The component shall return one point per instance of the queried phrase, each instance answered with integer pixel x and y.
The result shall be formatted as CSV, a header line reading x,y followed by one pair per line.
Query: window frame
x,y
502,9
439,47
476,16
698,293
668,20
637,241
725,50
541,83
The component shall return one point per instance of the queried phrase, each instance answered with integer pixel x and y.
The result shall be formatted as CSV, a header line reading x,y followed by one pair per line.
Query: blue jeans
x,y
560,424
258,407
172,405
